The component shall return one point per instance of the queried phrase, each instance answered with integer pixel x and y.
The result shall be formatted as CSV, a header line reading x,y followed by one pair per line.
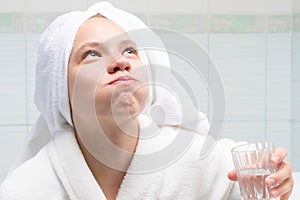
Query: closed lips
x,y
122,79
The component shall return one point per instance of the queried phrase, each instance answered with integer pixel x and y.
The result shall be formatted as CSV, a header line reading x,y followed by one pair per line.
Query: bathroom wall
x,y
250,41
296,85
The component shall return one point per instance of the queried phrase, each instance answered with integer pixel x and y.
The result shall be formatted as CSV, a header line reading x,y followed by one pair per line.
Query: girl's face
x,y
104,47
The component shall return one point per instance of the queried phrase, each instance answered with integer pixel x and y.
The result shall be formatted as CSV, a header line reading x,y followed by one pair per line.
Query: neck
x,y
125,136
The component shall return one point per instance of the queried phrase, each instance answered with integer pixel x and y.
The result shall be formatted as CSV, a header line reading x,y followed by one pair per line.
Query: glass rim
x,y
262,144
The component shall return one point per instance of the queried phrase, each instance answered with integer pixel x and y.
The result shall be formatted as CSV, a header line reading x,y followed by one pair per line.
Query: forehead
x,y
97,29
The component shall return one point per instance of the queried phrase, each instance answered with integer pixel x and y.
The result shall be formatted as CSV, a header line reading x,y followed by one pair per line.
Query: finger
x,y
286,196
284,190
284,172
279,155
232,175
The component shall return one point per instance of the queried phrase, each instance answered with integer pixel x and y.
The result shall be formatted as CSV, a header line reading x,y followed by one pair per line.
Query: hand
x,y
282,178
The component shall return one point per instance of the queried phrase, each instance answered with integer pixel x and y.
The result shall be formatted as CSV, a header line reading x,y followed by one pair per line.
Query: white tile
x,y
32,44
237,7
178,6
295,145
39,6
29,128
279,133
39,21
135,6
12,6
200,39
279,6
191,77
278,76
296,77
180,63
11,141
203,90
296,6
240,60
12,82
244,130
296,189
190,74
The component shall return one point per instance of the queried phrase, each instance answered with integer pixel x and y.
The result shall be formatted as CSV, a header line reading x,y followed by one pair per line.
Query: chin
x,y
124,106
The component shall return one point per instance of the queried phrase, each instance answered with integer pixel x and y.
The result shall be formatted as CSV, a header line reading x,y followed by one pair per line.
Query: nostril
x,y
116,69
127,68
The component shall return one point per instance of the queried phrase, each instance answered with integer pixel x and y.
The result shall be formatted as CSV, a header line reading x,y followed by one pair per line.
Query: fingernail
x,y
270,181
275,158
275,193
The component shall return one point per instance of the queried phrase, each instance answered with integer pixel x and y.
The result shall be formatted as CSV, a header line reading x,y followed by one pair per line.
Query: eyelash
x,y
131,49
89,52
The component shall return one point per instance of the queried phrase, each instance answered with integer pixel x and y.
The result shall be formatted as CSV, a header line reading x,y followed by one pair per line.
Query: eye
x,y
130,50
91,54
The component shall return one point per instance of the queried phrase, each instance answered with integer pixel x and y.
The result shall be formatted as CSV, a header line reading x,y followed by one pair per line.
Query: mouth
x,y
122,80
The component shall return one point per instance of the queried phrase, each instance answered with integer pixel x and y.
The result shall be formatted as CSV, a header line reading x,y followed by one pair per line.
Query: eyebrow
x,y
78,52
128,42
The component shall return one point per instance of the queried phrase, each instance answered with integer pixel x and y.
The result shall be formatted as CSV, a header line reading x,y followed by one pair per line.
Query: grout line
x,y
208,52
266,66
292,69
148,12
26,66
292,92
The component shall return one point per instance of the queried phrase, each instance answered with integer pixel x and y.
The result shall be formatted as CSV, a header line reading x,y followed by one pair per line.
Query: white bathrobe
x,y
59,172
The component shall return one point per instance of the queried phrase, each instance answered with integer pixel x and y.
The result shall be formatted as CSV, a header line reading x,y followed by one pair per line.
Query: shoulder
x,y
34,179
223,152
210,154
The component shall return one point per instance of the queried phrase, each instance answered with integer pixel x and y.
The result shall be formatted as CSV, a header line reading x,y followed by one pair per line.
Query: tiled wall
x,y
296,85
250,41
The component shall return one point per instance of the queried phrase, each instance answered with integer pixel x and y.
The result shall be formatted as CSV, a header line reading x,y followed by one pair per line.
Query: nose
x,y
119,64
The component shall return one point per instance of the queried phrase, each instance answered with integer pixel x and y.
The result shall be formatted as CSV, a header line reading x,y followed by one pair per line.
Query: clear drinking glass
x,y
252,163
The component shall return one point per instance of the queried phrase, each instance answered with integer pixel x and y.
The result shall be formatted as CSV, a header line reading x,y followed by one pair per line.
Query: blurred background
x,y
255,45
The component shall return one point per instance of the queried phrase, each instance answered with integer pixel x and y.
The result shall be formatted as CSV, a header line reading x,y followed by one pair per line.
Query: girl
x,y
95,138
